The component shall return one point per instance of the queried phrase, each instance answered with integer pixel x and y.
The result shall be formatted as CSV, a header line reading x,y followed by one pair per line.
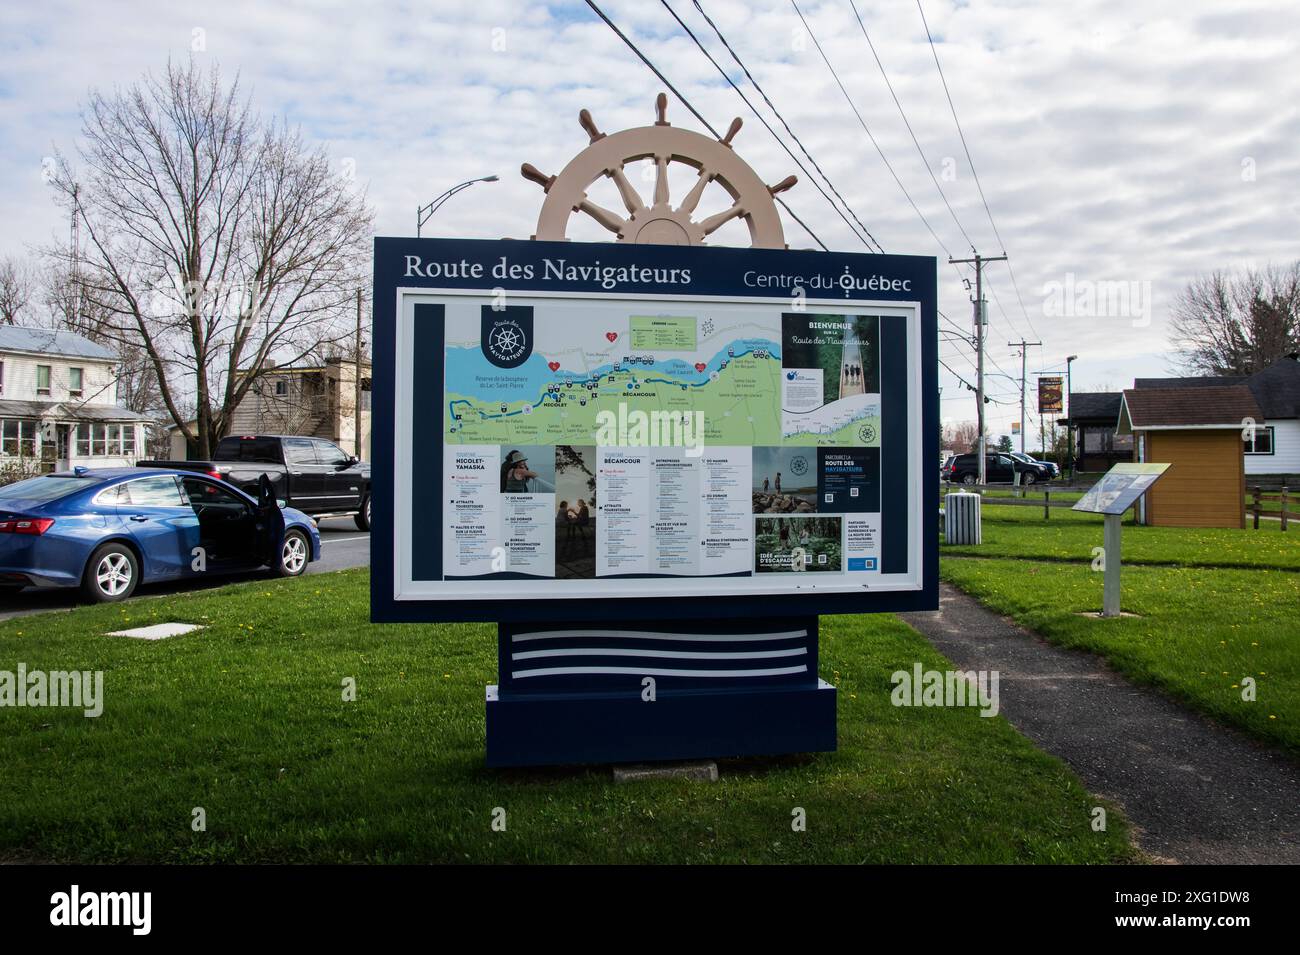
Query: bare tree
x,y
215,243
1236,324
963,437
68,308
17,288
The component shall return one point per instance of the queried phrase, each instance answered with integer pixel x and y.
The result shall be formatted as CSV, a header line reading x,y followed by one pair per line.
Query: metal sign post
x,y
1117,491
1110,585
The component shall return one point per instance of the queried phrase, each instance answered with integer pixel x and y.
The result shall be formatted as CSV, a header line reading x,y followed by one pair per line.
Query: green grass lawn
x,y
1033,492
1212,608
246,719
1071,535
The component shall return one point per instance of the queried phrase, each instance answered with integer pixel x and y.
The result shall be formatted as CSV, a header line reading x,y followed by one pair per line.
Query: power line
x,y
763,120
987,399
867,129
694,112
906,122
934,52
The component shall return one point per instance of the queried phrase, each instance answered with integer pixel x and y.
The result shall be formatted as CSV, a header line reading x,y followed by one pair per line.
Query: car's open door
x,y
270,522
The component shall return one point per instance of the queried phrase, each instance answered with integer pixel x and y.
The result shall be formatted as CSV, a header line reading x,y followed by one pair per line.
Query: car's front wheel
x,y
111,574
362,517
1028,478
295,552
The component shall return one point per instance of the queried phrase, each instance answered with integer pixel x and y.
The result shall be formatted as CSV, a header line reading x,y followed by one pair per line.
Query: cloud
x,y
1112,139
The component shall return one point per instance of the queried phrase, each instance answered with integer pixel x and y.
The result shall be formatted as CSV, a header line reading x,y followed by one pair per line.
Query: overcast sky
x,y
1136,142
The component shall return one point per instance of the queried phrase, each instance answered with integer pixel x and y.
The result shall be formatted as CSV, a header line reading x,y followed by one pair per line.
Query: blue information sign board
x,y
651,463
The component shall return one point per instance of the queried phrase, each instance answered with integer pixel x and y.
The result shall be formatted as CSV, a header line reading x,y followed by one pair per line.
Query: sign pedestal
x,y
667,690
1110,584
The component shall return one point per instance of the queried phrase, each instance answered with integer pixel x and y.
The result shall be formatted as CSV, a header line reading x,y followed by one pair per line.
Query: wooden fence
x,y
1256,506
1023,500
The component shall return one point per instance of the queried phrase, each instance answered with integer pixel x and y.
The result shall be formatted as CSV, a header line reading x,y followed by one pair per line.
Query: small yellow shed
x,y
1198,431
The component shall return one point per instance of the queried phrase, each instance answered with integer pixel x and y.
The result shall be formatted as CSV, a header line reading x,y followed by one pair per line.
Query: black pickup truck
x,y
311,474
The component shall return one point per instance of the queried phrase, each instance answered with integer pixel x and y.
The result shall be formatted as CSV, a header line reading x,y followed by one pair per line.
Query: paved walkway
x,y
1196,791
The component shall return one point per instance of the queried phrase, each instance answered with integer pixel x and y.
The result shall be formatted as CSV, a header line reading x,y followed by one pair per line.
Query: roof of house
x,y
1094,404
66,411
1277,388
1200,406
1220,381
44,341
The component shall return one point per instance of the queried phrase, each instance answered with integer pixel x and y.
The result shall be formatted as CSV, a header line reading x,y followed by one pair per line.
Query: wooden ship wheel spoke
x,y
659,222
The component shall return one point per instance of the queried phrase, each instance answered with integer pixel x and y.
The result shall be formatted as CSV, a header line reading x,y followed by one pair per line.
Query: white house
x,y
58,403
1274,446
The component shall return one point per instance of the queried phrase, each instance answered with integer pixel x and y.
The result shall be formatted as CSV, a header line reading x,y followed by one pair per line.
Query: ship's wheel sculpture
x,y
659,222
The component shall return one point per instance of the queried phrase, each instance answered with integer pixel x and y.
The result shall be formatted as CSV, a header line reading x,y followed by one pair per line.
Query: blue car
x,y
108,530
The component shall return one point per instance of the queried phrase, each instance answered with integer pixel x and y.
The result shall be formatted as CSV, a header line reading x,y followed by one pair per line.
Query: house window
x,y
281,388
101,440
74,382
43,380
1258,440
18,437
2,378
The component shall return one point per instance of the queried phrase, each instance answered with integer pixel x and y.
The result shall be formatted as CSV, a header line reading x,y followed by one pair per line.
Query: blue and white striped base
x,y
582,694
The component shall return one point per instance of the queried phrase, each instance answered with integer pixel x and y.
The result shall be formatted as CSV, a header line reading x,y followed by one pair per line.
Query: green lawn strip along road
x,y
246,720
1198,632
1071,535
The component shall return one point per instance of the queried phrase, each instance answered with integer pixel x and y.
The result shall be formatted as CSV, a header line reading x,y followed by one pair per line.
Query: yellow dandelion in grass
x,y
446,676
1271,716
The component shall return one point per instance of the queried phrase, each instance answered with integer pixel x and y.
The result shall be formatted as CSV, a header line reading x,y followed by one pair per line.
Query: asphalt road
x,y
342,546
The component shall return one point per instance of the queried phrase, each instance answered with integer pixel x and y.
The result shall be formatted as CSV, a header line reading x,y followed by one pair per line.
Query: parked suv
x,y
1050,465
999,468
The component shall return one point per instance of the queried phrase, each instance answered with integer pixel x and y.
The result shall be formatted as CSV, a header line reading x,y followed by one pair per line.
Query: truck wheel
x,y
111,574
363,516
295,553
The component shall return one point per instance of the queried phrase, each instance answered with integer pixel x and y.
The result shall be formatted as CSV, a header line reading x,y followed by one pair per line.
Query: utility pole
x,y
980,320
1024,351
1069,410
356,427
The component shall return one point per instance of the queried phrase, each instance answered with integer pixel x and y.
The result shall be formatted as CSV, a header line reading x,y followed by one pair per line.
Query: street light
x,y
424,213
1069,410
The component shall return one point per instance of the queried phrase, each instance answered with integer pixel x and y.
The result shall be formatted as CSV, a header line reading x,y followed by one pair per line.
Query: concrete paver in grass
x,y
1195,791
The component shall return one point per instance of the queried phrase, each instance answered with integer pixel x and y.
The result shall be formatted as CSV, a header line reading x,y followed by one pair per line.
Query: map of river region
x,y
542,374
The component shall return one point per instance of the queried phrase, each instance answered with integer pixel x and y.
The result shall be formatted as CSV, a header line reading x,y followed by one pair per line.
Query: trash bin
x,y
961,518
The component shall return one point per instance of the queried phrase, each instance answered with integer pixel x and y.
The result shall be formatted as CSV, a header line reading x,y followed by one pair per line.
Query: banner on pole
x,y
1050,395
